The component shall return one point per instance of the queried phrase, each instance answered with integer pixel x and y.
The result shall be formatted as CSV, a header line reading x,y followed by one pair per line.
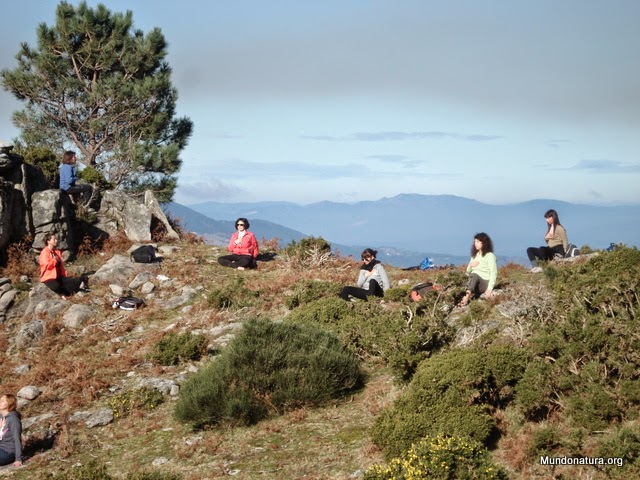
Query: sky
x,y
352,100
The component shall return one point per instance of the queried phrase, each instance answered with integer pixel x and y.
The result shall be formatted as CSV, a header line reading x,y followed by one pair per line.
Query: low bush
x,y
622,444
454,393
309,290
233,294
269,368
308,249
586,357
174,348
402,337
440,458
547,440
94,470
144,398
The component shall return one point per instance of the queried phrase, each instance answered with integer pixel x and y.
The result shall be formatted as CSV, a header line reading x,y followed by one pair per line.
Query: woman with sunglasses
x,y
372,279
243,247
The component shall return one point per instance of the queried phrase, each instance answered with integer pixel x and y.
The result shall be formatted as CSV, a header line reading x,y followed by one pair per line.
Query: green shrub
x,y
403,338
174,348
143,398
535,389
440,458
545,441
93,176
45,159
307,248
310,290
623,444
454,393
90,471
589,349
269,368
97,471
233,294
154,476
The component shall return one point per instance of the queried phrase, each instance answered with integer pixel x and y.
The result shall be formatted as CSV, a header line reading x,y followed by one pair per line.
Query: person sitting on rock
x,y
52,271
68,178
482,269
243,247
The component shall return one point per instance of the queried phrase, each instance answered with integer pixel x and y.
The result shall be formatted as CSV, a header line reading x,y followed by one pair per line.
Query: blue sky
x,y
346,100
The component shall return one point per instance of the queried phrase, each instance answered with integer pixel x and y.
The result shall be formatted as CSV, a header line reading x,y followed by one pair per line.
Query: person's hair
x,y
48,236
487,244
11,401
67,157
368,252
243,220
553,214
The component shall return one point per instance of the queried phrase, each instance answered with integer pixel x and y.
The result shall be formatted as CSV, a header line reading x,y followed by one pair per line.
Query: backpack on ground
x,y
572,251
144,254
427,263
128,303
420,290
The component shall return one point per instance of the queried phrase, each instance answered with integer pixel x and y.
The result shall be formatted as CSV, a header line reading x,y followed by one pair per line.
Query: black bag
x,y
144,254
128,303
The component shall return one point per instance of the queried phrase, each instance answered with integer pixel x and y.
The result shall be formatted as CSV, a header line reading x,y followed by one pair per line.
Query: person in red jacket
x,y
52,271
243,247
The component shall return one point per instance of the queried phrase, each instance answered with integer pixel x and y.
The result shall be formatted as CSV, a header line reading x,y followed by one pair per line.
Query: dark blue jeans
x,y
6,458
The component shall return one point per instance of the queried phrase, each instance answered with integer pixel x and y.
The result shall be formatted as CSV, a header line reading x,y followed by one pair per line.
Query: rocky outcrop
x,y
28,207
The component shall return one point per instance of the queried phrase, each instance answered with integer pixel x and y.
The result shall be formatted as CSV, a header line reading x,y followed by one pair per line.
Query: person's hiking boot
x,y
536,269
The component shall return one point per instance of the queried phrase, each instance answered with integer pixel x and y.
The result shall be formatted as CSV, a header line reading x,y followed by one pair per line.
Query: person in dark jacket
x,y
10,432
68,178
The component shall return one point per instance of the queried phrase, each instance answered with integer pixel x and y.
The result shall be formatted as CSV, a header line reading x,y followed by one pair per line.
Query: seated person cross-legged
x,y
52,271
243,248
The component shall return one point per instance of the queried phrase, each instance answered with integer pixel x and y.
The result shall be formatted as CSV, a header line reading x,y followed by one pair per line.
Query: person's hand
x,y
475,263
487,293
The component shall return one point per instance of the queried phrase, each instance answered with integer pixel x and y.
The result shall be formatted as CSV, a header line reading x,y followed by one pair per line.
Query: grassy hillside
x,y
549,366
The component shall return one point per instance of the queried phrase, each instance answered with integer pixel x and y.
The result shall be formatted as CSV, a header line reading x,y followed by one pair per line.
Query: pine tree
x,y
96,85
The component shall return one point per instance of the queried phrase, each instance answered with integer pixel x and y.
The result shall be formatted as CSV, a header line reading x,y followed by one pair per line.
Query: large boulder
x,y
52,212
119,210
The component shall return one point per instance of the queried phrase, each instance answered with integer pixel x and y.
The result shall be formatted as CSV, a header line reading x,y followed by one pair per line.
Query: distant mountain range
x,y
408,227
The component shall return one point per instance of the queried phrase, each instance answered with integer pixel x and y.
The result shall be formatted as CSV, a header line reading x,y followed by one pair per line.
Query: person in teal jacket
x,y
482,269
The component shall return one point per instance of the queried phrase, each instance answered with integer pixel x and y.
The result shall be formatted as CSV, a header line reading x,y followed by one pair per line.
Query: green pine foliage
x,y
96,82
268,369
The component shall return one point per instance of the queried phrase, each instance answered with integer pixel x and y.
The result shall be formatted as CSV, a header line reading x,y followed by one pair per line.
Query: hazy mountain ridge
x,y
442,224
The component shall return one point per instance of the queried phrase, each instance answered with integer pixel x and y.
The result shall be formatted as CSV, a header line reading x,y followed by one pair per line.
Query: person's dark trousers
x,y
6,458
543,254
65,286
477,285
84,189
236,261
374,289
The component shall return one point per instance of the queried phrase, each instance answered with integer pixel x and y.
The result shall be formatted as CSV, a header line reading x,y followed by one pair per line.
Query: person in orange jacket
x,y
243,247
52,271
